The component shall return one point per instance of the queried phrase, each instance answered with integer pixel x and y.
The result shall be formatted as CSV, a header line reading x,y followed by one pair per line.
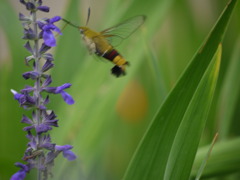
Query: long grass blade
x,y
152,156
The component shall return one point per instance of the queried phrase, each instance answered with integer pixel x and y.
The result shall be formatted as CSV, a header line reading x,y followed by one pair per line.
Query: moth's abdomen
x,y
113,56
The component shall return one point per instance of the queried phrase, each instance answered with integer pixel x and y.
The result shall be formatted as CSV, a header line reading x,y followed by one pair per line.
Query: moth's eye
x,y
81,31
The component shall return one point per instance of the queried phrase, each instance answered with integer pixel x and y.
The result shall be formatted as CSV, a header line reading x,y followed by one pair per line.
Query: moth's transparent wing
x,y
117,33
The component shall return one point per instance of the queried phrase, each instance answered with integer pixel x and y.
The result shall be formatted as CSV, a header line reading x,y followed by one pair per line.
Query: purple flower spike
x,y
40,152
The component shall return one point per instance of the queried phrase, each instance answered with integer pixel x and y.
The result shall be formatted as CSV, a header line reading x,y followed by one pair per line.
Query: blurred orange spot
x,y
132,104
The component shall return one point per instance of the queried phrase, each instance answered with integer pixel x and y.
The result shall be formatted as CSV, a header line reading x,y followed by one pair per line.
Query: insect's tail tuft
x,y
118,71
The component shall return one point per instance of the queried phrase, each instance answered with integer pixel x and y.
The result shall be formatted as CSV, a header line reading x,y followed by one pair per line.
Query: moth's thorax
x,y
95,41
85,31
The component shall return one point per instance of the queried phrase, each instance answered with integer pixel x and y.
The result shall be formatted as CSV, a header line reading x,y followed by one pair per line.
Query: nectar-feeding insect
x,y
102,43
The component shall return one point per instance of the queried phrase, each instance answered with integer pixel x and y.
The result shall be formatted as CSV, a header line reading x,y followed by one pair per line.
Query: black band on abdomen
x,y
111,54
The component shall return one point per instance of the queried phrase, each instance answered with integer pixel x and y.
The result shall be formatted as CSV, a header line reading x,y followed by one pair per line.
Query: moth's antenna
x,y
88,17
68,22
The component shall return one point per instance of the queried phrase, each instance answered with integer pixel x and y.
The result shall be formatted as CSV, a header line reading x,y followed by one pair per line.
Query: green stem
x,y
37,84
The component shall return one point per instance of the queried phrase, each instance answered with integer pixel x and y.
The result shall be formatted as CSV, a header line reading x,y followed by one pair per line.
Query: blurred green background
x,y
111,114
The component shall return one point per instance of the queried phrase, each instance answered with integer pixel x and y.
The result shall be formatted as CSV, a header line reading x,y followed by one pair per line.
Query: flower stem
x,y
37,84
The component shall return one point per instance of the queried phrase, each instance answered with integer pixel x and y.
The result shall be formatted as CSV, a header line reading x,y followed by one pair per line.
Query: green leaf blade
x,y
151,157
224,159
184,146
